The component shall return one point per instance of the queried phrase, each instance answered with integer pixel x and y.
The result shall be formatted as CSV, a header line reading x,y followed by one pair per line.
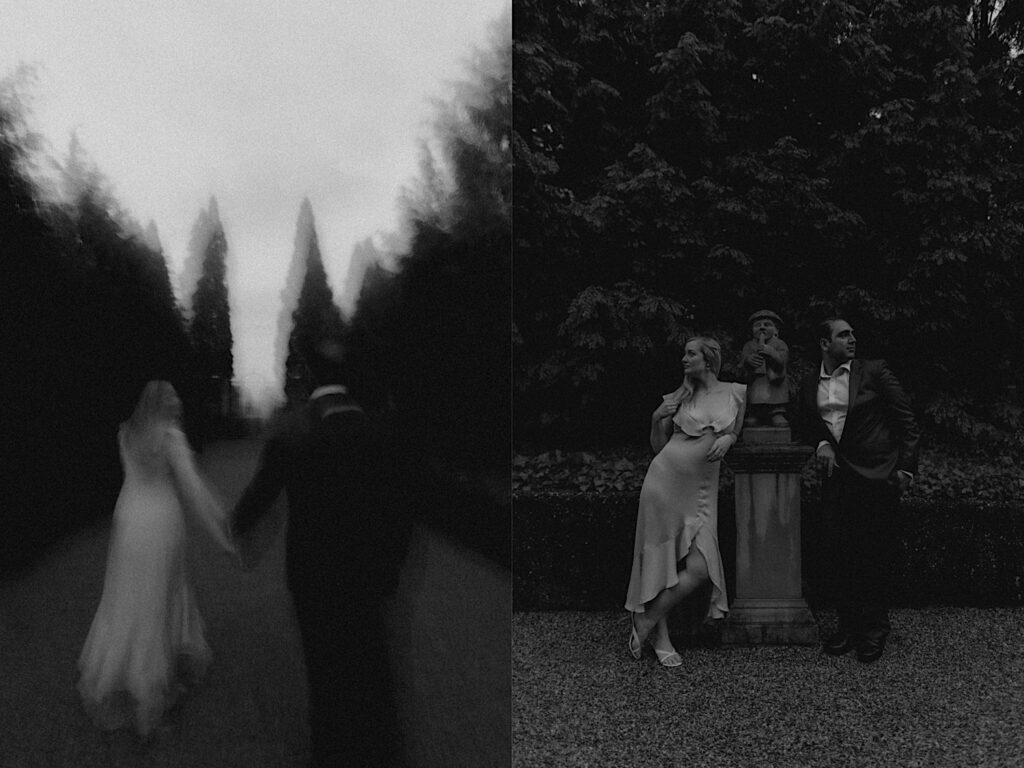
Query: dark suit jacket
x,y
346,536
881,434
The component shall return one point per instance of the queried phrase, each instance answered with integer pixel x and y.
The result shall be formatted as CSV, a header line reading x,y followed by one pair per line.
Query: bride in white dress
x,y
147,638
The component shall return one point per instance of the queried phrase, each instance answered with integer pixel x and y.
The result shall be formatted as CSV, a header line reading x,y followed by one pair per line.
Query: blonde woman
x,y
147,637
676,545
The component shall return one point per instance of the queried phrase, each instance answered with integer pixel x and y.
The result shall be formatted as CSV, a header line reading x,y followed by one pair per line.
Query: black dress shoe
x,y
839,643
869,650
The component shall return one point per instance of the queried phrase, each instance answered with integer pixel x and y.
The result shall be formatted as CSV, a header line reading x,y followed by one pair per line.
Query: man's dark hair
x,y
825,327
327,363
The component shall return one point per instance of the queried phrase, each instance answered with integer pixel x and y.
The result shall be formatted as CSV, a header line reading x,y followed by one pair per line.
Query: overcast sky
x,y
257,103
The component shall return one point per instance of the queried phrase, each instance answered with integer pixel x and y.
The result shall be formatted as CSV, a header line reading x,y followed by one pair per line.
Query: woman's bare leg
x,y
695,574
660,638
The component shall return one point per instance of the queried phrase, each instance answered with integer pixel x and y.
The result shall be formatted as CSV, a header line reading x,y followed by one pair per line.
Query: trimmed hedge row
x,y
574,552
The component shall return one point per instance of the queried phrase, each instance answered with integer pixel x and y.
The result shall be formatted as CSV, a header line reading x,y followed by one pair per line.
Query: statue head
x,y
764,325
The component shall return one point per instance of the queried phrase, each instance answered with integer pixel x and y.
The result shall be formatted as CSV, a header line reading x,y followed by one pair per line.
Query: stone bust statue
x,y
763,361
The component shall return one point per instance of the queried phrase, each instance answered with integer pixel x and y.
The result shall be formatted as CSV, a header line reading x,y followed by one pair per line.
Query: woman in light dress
x,y
147,638
676,545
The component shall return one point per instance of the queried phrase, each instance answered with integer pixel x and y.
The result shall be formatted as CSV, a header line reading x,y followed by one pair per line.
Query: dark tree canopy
x,y
210,328
432,339
679,165
86,317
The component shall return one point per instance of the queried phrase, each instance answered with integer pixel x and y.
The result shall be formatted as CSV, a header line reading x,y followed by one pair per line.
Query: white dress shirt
x,y
328,389
834,398
333,389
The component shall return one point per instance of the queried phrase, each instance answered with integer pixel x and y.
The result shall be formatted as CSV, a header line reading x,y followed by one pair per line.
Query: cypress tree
x,y
315,314
210,328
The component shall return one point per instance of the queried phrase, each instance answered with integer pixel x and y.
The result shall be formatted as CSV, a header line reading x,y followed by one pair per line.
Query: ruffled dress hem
x,y
658,569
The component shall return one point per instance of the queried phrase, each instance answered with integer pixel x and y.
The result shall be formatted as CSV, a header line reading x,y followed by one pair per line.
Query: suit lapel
x,y
855,373
811,391
811,402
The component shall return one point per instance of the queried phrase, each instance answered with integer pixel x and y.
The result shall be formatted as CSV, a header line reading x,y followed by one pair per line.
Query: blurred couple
x,y
345,544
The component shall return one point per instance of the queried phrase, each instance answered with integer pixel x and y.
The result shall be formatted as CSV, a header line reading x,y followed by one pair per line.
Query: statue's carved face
x,y
766,326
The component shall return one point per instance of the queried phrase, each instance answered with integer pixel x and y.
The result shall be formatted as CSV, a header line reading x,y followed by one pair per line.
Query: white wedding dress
x,y
147,638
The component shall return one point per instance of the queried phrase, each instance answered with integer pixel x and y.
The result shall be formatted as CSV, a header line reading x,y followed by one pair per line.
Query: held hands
x,y
226,539
720,447
233,550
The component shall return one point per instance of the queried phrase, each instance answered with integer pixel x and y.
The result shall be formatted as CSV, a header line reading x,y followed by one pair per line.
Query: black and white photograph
x,y
541,384
255,391
768,437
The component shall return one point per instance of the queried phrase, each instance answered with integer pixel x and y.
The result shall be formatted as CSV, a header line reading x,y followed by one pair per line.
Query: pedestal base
x,y
768,621
766,435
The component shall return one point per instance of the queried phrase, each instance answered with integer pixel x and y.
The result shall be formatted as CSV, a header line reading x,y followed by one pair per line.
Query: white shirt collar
x,y
329,389
844,367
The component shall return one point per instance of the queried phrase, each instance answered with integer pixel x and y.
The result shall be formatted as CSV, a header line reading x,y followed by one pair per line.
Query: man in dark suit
x,y
865,436
344,548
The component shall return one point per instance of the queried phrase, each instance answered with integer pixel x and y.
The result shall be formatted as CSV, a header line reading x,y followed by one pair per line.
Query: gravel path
x,y
949,691
453,677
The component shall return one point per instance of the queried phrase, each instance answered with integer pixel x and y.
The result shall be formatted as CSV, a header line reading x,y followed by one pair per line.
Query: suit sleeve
x,y
809,424
263,489
903,421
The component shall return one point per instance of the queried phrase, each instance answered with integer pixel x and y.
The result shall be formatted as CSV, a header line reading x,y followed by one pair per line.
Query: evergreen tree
x,y
29,261
364,255
290,294
123,326
315,315
86,316
432,340
210,327
202,232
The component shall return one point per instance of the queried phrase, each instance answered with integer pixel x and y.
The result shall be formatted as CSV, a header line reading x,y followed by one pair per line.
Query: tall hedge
x,y
679,165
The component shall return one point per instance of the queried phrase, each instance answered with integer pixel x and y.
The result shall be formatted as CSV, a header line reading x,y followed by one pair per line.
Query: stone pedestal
x,y
769,607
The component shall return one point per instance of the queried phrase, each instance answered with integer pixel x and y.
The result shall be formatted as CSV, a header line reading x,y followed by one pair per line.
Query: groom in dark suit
x,y
865,436
344,549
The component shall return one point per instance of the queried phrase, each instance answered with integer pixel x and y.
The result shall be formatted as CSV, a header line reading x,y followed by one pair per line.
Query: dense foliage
x,y
679,165
87,315
431,340
575,552
972,479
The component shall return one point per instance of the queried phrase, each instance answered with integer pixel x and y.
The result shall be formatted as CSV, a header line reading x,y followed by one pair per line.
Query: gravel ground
x,y
949,691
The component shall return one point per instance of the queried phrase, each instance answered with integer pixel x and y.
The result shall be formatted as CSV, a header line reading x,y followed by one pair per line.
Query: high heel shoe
x,y
635,646
668,658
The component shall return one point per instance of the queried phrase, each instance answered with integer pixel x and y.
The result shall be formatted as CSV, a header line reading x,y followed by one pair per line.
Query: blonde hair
x,y
158,408
711,350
